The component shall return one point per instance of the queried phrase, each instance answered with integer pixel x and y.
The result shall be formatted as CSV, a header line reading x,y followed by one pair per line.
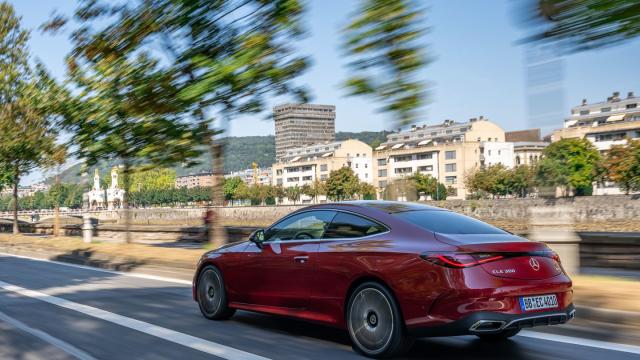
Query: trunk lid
x,y
519,258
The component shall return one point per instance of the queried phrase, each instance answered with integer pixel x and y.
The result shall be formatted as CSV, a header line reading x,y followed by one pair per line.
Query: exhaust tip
x,y
487,326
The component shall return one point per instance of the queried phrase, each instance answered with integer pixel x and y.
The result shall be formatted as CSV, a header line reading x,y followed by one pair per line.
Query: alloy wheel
x,y
371,321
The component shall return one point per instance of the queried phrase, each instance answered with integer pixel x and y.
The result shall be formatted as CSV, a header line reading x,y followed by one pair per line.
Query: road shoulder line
x,y
60,344
581,341
84,267
176,337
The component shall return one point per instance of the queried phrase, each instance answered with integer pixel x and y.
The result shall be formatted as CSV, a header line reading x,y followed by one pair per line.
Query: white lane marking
x,y
581,341
131,274
193,342
62,345
525,333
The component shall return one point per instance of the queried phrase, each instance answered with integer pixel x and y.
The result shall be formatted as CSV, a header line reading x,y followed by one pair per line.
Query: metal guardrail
x,y
619,250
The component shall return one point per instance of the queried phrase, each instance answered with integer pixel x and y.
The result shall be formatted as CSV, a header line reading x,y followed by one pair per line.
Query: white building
x,y
604,124
447,151
497,153
262,176
307,164
111,198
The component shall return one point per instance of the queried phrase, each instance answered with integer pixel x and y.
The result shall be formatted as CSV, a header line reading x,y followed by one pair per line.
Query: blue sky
x,y
477,67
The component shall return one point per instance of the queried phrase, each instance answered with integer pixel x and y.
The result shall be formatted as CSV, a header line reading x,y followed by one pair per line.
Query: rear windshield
x,y
447,222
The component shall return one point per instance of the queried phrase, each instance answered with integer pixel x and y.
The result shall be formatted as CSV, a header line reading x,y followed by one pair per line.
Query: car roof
x,y
389,207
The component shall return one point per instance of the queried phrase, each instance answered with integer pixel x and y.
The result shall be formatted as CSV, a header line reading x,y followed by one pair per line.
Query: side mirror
x,y
257,237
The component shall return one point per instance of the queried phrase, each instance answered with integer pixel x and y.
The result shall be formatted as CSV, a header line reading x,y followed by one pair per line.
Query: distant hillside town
x,y
307,151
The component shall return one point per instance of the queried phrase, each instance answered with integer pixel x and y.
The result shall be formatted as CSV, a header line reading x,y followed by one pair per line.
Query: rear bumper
x,y
487,322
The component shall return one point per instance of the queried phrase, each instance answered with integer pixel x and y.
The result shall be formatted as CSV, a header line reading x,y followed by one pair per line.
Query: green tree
x,y
622,165
521,180
242,192
428,185
569,163
279,193
366,191
151,179
383,40
120,114
258,194
581,25
221,58
293,193
27,96
230,186
308,190
342,184
497,180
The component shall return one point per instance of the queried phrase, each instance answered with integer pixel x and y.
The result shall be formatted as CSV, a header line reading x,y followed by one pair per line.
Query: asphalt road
x,y
56,311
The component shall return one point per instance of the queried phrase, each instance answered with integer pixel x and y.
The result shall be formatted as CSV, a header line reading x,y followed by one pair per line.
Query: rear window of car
x,y
447,222
347,226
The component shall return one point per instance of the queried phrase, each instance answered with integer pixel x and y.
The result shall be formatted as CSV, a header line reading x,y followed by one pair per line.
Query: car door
x,y
339,258
281,269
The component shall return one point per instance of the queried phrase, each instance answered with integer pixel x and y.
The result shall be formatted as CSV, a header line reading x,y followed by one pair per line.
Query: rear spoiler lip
x,y
490,239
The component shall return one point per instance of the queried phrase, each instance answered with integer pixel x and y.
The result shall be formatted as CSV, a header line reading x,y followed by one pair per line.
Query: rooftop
x,y
392,207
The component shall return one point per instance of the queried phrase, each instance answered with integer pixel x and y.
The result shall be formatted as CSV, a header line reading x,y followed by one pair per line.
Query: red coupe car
x,y
388,272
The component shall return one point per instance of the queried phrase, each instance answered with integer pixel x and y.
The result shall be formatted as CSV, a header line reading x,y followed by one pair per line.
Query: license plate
x,y
530,303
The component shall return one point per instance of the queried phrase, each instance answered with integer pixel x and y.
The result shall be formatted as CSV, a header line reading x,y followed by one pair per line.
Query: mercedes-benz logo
x,y
535,265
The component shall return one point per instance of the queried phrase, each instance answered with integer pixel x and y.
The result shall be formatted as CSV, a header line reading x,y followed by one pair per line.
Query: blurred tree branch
x,y
384,42
170,64
579,25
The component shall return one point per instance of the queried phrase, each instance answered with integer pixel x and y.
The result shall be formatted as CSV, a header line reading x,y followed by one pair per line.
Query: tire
x,y
211,295
374,322
502,335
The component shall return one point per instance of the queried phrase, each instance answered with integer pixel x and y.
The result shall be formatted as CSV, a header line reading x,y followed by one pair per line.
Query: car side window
x,y
308,225
346,226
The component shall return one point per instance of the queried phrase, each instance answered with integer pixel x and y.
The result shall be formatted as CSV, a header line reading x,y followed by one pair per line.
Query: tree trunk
x,y
217,233
16,181
125,200
56,216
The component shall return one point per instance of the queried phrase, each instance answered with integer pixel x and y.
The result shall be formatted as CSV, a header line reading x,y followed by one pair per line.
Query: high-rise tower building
x,y
298,125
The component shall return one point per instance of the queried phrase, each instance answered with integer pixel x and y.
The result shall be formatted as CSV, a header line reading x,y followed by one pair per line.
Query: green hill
x,y
240,153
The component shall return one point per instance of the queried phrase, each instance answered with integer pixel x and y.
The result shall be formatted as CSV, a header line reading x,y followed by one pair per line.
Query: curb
x,y
177,270
607,315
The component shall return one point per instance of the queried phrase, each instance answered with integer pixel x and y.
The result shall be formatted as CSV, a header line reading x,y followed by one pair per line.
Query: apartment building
x,y
527,146
305,165
299,125
528,152
605,124
262,176
195,180
447,151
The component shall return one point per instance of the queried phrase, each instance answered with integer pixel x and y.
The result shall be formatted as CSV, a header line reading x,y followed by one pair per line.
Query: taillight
x,y
553,255
464,260
460,260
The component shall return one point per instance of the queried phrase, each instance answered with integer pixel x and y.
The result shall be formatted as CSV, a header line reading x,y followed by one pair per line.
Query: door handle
x,y
301,259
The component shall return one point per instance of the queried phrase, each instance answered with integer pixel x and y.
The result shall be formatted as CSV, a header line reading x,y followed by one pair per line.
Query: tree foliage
x,y
429,186
622,165
569,163
63,195
28,107
580,25
293,193
151,179
342,184
387,54
498,180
